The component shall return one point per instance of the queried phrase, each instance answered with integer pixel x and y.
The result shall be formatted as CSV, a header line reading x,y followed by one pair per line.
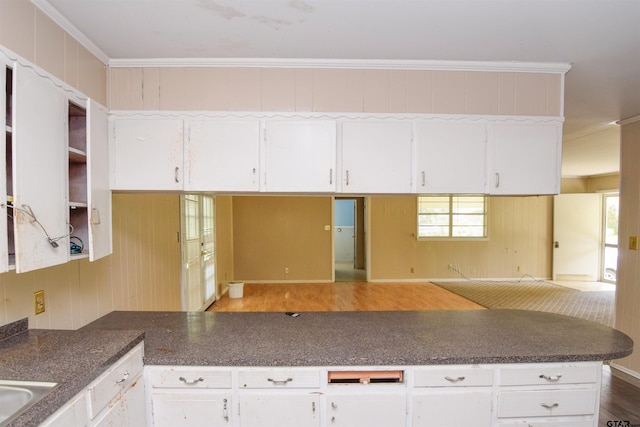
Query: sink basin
x,y
18,396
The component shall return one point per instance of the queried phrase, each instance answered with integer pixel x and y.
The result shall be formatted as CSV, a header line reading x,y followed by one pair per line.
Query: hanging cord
x,y
53,241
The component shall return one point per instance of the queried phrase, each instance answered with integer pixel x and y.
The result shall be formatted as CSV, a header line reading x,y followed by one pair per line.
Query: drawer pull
x,y
551,379
544,405
196,381
279,382
454,380
124,377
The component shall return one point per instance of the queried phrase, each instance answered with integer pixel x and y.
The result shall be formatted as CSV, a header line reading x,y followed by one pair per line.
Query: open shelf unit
x,y
9,163
78,202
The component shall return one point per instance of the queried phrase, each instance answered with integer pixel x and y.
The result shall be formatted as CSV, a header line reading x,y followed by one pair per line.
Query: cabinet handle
x,y
279,382
333,405
330,176
544,405
176,174
551,379
124,377
347,176
313,407
196,381
424,179
454,380
497,180
225,413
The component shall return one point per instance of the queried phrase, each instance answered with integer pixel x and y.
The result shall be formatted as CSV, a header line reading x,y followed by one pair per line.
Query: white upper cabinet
x,y
7,249
40,160
222,155
451,157
99,194
300,156
147,154
377,156
525,158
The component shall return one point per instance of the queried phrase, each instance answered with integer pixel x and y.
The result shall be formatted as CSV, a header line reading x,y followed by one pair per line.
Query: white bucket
x,y
235,289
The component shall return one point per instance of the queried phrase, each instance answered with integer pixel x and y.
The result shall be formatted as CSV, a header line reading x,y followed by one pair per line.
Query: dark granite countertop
x,y
368,338
72,359
75,358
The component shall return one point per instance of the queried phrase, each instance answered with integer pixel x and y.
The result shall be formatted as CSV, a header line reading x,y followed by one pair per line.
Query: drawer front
x,y
547,403
453,377
188,377
587,422
550,375
115,380
279,378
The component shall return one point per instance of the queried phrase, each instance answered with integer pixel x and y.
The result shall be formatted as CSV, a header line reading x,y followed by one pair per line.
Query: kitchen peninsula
x,y
406,364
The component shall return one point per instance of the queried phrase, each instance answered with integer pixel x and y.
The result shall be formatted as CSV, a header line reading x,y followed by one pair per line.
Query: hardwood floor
x,y
344,296
620,400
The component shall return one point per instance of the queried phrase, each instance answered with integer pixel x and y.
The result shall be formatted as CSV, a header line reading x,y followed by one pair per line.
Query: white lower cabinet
x,y
294,409
507,395
371,409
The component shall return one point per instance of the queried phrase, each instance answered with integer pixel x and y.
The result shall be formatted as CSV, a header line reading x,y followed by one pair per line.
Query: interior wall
x,y
34,36
280,238
142,274
608,182
628,291
519,243
335,90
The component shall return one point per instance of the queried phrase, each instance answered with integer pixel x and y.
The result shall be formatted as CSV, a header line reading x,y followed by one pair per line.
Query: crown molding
x,y
67,26
500,66
628,121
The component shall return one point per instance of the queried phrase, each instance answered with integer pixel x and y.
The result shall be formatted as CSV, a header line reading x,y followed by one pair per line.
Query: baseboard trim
x,y
625,374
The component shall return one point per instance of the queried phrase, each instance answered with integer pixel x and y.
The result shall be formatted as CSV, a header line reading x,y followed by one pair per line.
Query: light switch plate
x,y
633,243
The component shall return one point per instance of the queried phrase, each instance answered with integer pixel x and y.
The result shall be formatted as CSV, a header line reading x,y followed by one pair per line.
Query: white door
x,y
376,157
300,155
191,408
280,410
99,194
40,174
198,252
367,409
577,228
147,154
525,158
451,158
222,154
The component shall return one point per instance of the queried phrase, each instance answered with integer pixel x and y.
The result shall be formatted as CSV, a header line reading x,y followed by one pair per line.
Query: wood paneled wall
x,y
335,90
31,34
628,289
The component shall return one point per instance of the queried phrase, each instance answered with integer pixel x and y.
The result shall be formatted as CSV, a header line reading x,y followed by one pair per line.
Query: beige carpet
x,y
597,306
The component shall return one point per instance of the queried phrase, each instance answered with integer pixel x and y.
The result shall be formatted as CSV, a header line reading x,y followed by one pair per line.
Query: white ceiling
x,y
599,38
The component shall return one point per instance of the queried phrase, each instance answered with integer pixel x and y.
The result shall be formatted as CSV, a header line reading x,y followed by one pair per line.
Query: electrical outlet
x,y
413,270
286,270
39,301
449,267
633,243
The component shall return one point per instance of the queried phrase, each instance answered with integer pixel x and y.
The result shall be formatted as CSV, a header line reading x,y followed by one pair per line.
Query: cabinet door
x,y
126,410
99,194
300,155
191,408
525,158
222,155
364,409
452,409
376,157
40,205
451,158
6,181
147,154
280,410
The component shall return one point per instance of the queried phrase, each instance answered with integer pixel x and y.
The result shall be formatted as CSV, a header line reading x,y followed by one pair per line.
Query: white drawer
x,y
585,422
114,380
279,378
550,375
195,377
545,403
454,376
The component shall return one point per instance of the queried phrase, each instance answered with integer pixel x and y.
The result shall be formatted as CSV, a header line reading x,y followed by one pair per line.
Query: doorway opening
x,y
610,237
349,239
198,251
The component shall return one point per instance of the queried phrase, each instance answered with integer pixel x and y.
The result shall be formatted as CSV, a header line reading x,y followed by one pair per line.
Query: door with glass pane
x,y
198,252
610,252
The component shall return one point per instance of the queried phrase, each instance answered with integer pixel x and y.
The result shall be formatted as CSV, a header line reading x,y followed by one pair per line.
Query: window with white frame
x,y
443,217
